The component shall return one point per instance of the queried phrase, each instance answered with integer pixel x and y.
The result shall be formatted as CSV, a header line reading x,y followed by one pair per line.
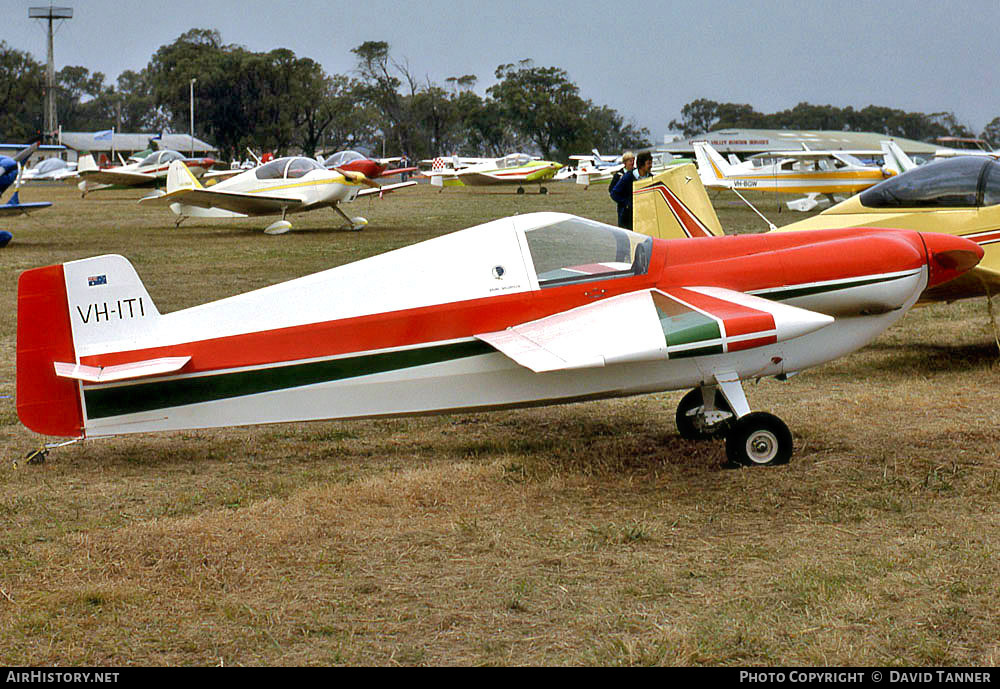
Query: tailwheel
x,y
520,190
694,422
759,439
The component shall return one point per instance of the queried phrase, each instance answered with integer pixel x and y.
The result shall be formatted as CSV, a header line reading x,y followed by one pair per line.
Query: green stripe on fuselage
x,y
132,399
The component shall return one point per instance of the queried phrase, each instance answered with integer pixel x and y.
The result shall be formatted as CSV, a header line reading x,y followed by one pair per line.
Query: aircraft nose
x,y
949,256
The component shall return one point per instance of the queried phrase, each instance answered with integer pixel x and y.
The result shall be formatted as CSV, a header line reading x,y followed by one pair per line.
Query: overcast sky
x,y
645,59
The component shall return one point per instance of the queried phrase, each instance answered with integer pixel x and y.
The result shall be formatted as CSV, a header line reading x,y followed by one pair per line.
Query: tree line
x,y
281,102
702,115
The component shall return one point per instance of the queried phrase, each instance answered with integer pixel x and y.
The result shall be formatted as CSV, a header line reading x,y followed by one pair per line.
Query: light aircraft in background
x,y
958,197
370,167
540,308
10,171
50,169
280,187
516,168
963,146
148,172
812,173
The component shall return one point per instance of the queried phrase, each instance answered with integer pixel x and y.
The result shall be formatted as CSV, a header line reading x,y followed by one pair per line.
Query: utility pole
x,y
51,14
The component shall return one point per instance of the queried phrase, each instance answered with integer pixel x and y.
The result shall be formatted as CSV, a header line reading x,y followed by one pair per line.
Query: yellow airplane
x,y
958,196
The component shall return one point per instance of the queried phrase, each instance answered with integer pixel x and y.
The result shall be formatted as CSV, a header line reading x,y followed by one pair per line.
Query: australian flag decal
x,y
95,280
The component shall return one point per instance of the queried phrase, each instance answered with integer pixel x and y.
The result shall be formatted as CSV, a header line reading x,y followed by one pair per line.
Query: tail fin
x,y
896,161
68,312
712,168
86,163
674,204
179,177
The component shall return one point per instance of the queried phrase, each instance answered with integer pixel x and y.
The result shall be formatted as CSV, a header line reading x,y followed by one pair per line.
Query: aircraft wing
x,y
385,188
130,179
398,171
234,201
14,205
653,325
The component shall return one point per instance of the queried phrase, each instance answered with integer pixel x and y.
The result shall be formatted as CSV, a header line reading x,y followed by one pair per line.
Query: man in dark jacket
x,y
621,192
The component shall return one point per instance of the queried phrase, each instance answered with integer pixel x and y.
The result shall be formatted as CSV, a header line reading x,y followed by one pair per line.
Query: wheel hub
x,y
762,447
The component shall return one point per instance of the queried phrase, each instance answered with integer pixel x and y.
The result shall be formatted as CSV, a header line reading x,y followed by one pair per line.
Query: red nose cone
x,y
949,256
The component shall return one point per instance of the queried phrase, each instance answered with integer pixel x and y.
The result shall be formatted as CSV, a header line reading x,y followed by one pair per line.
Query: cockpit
x,y
969,181
287,168
342,158
513,160
161,158
571,250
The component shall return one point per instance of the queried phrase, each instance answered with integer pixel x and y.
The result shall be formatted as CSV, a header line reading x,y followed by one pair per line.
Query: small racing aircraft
x,y
148,172
282,186
369,167
812,173
958,196
10,174
50,169
516,168
540,308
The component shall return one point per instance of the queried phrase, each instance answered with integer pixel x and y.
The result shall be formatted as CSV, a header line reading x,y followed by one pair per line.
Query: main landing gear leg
x,y
356,223
752,438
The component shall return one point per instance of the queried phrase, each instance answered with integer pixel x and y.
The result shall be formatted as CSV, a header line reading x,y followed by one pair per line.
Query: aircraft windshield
x,y
343,157
287,168
959,182
161,158
579,250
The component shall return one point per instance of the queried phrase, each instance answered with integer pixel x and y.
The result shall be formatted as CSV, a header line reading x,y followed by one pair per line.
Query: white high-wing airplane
x,y
812,173
282,186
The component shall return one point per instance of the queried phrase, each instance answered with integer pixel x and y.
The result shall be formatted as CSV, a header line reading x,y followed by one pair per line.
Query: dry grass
x,y
581,535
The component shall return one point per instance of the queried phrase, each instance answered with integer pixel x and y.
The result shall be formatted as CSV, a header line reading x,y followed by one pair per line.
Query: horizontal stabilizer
x,y
111,374
385,188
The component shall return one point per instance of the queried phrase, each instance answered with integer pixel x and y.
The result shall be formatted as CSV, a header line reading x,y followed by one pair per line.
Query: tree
x,y
22,91
992,132
541,103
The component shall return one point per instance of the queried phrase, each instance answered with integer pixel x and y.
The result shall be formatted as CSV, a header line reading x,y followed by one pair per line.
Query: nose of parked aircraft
x,y
949,256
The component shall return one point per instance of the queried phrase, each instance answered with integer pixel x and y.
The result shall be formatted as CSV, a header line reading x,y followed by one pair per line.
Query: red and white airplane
x,y
148,172
541,308
371,168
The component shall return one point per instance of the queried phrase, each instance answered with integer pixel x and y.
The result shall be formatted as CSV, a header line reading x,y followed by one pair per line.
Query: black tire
x,y
692,402
520,190
543,190
759,439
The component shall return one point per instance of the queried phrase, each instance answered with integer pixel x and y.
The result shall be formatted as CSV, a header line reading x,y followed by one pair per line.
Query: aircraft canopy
x,y
287,168
342,158
571,250
161,158
964,182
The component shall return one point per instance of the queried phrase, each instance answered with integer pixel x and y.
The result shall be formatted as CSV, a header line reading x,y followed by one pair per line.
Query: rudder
x,y
673,205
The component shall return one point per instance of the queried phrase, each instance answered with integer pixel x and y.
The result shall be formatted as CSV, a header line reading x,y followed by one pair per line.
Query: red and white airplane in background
x,y
541,308
371,168
148,172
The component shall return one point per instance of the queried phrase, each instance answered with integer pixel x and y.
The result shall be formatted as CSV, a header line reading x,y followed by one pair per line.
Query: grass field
x,y
585,534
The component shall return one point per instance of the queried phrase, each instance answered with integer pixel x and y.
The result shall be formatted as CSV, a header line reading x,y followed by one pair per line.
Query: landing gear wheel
x,y
520,190
690,423
759,439
543,190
